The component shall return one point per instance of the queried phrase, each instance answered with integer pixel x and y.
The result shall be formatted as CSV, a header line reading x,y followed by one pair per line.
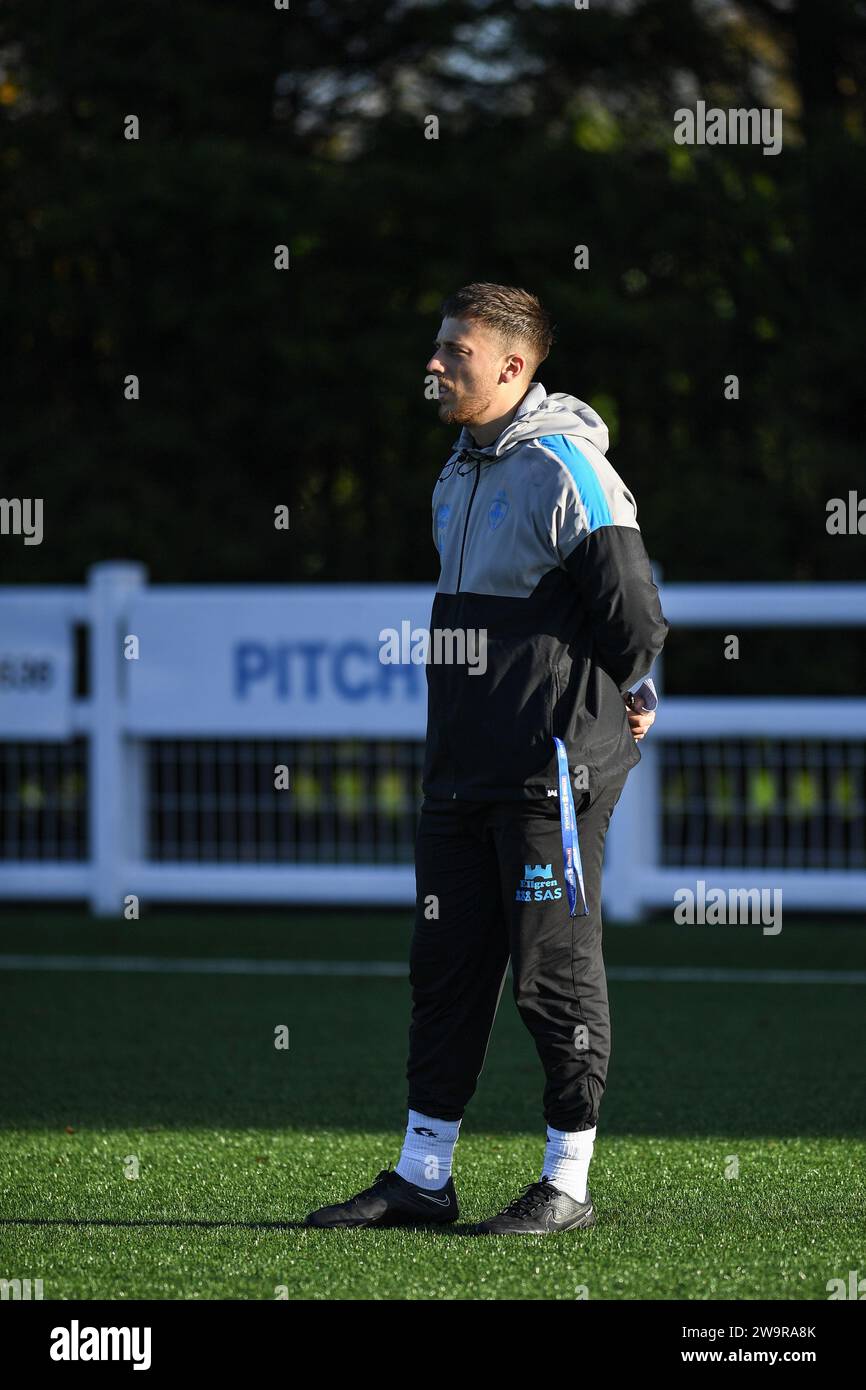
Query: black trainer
x,y
541,1210
391,1201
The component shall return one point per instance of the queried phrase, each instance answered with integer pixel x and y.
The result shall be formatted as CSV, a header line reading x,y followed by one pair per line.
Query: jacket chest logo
x,y
499,509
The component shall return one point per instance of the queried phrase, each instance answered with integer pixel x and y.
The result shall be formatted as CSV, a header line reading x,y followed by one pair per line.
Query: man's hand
x,y
639,719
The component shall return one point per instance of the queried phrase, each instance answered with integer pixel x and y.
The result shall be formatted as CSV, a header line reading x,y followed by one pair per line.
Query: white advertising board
x,y
297,660
35,668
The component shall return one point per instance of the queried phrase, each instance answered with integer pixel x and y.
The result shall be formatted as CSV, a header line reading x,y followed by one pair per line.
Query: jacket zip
x,y
466,522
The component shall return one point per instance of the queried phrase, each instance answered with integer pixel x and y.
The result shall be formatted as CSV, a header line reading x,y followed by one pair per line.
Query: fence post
x,y
114,817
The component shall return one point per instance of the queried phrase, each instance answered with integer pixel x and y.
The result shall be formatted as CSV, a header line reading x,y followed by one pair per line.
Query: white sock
x,y
566,1160
426,1157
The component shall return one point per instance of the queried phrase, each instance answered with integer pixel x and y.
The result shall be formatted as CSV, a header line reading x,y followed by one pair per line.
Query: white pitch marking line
x,y
179,965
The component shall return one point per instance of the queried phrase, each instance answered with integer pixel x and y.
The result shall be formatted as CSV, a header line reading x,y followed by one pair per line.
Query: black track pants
x,y
476,865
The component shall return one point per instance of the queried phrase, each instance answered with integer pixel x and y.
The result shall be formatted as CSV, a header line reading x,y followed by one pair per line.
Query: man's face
x,y
467,360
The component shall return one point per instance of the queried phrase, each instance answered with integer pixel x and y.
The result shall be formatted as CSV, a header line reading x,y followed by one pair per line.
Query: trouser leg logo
x,y
537,885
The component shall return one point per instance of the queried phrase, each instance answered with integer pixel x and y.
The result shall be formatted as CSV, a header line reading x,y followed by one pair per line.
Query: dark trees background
x,y
306,387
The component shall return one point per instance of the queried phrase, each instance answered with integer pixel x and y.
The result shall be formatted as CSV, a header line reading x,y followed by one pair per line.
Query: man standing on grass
x,y
542,566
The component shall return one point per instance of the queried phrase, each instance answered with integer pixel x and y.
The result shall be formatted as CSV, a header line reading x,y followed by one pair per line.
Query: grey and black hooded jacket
x,y
540,549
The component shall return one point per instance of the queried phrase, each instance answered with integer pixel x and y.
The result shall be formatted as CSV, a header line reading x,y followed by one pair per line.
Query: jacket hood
x,y
540,414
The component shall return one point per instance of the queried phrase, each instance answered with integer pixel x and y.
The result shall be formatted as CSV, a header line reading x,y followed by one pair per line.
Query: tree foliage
x,y
305,387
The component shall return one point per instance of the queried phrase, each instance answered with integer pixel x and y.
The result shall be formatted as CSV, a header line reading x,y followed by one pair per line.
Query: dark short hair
x,y
515,315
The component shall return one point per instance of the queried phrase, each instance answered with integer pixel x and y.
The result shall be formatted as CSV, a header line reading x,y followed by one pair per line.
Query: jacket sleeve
x,y
600,546
611,569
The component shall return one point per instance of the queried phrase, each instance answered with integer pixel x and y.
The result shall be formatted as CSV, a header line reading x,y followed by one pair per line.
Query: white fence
x,y
248,662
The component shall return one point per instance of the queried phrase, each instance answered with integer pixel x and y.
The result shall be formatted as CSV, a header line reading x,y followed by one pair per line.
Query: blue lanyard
x,y
568,825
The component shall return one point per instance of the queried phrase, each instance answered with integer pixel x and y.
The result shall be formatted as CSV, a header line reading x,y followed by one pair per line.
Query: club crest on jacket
x,y
499,509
